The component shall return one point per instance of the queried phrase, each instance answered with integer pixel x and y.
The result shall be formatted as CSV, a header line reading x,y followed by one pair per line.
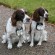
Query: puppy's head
x,y
19,15
40,13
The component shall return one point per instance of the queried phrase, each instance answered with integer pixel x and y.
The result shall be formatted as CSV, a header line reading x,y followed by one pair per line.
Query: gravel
x,y
47,48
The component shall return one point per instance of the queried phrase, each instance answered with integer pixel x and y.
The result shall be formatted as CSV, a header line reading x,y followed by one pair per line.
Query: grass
x,y
31,5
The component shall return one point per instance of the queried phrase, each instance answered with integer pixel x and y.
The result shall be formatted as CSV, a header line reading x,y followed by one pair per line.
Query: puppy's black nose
x,y
46,15
28,19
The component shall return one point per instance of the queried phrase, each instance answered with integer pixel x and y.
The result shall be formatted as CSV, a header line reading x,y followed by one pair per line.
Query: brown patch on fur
x,y
36,16
13,19
46,19
18,15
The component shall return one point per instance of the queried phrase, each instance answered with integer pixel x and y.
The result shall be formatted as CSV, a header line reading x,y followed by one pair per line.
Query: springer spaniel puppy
x,y
11,27
38,32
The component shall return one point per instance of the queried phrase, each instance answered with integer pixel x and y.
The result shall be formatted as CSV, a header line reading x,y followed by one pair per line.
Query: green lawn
x,y
31,5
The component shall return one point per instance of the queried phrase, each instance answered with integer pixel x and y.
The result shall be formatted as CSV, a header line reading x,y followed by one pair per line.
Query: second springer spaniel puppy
x,y
38,32
18,16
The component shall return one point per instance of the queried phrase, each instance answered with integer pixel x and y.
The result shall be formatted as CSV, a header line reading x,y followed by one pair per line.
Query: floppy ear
x,y
36,16
46,19
13,19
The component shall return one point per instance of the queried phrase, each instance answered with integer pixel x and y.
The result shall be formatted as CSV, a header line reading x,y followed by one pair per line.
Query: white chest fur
x,y
27,31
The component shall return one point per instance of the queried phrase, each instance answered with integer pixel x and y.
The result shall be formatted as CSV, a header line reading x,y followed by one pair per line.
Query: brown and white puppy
x,y
38,32
11,26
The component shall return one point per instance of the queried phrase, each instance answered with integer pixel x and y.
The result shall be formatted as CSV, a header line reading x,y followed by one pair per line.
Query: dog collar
x,y
19,29
38,23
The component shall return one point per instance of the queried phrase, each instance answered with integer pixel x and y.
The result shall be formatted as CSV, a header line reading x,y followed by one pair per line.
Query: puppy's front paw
x,y
39,44
3,41
19,45
45,40
9,46
31,45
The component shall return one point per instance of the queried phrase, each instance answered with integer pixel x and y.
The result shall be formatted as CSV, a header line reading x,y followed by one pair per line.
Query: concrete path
x,y
47,48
